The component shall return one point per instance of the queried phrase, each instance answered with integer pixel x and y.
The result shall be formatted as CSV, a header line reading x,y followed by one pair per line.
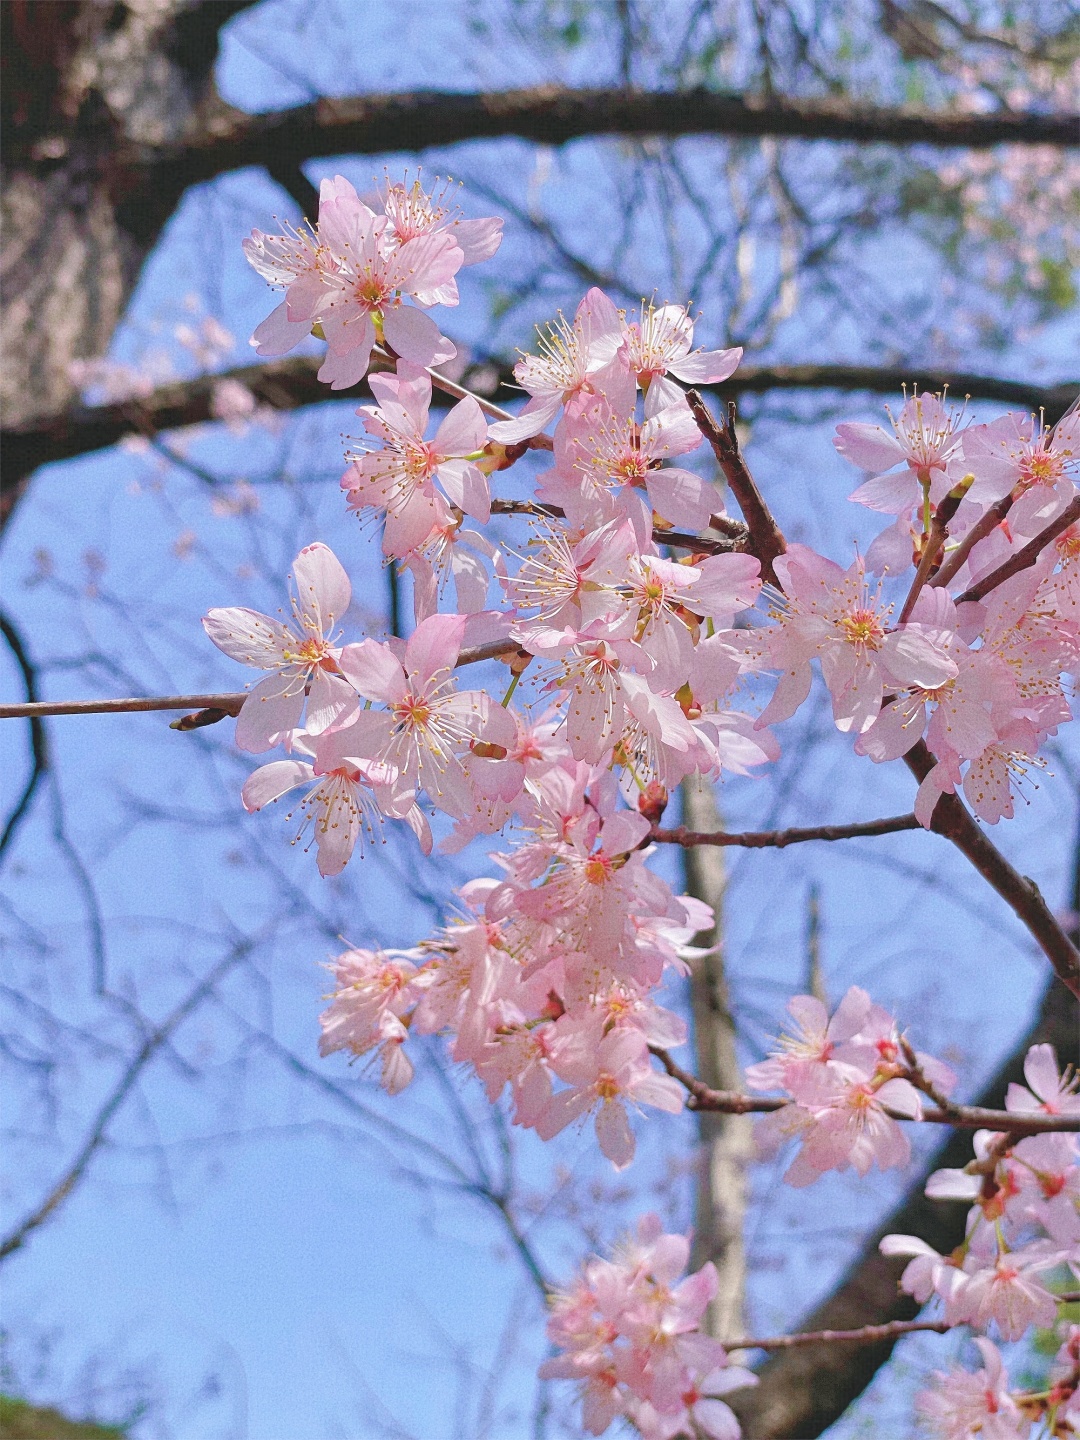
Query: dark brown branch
x,y
1024,557
96,1135
765,541
291,383
553,115
778,839
39,749
984,526
864,1335
962,1117
1022,895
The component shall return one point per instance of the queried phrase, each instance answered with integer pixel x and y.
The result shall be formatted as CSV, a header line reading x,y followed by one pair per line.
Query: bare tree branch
x,y
778,839
96,1135
1022,895
766,540
291,383
39,749
1026,556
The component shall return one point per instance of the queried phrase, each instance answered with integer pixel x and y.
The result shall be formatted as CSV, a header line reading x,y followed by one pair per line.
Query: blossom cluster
x,y
847,1079
964,1404
1024,1220
545,984
635,624
629,1330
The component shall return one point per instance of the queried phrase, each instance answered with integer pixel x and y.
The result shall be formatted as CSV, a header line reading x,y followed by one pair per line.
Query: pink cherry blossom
x,y
1049,1091
659,344
303,661
829,614
371,997
925,440
963,1405
602,1078
570,355
397,480
428,724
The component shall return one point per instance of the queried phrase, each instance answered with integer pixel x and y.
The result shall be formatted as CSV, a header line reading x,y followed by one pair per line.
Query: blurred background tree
x,y
860,195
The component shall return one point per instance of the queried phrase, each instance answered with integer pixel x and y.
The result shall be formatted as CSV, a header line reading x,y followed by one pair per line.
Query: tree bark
x,y
84,82
727,1146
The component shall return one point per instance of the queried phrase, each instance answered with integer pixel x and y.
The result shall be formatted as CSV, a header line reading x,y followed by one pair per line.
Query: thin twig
x,y
1024,557
864,1335
939,532
778,839
766,540
95,1136
961,1117
227,704
984,526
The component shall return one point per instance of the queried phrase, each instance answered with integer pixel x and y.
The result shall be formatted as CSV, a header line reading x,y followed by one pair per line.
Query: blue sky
x,y
262,1259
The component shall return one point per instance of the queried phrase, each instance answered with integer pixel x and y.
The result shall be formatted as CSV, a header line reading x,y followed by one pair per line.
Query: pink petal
x,y
277,334
323,591
249,637
868,446
269,713
433,646
613,1132
707,367
467,487
374,670
272,781
531,421
415,335
329,700
463,430
682,497
478,239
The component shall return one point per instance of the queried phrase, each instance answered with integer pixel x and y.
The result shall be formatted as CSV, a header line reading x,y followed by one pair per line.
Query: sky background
x,y
273,1253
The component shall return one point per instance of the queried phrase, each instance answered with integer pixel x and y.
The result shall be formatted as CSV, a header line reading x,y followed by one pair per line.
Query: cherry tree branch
x,y
1026,556
961,1117
765,540
226,704
291,383
229,139
864,1334
779,839
952,820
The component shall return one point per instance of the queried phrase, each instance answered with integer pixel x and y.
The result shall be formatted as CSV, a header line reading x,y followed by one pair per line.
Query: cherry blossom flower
x,y
303,661
925,440
1048,1091
398,479
413,212
606,466
373,993
602,1077
659,344
963,1406
570,355
428,724
829,614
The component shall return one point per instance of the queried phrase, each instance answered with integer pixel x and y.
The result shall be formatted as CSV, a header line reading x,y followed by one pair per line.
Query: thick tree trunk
x,y
81,81
726,1140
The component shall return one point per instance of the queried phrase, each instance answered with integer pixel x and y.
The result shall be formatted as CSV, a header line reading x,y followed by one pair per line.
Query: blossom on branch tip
x,y
303,661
